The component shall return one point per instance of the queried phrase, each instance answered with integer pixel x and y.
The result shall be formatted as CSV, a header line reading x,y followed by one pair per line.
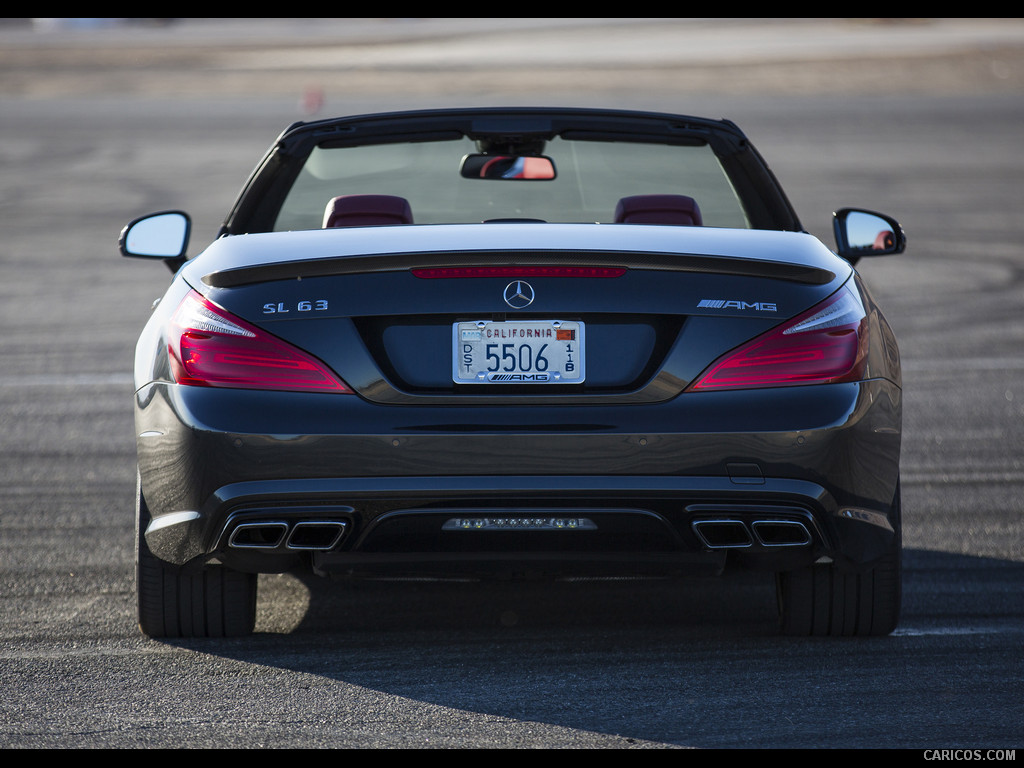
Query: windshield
x,y
591,177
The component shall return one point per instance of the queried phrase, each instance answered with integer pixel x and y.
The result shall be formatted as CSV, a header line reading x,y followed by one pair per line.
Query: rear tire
x,y
173,602
823,601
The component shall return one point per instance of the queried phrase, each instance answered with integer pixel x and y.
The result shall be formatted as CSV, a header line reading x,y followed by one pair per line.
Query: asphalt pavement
x,y
103,122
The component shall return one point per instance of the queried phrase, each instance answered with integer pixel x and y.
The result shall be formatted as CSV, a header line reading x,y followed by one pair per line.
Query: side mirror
x,y
157,236
866,233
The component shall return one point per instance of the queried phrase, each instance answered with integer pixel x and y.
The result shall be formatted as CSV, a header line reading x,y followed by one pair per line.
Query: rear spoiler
x,y
397,262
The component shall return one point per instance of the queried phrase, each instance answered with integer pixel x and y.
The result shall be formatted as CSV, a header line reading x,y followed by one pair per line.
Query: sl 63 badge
x,y
277,308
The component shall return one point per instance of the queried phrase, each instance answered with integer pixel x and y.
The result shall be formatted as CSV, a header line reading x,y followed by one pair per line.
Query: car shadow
x,y
670,661
737,602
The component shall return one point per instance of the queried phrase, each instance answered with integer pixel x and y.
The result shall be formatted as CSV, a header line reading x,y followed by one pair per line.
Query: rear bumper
x,y
267,481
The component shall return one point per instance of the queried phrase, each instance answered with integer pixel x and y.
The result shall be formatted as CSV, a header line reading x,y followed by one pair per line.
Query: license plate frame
x,y
518,352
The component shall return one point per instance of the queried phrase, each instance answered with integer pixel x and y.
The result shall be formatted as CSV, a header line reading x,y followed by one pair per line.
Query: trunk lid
x,y
639,320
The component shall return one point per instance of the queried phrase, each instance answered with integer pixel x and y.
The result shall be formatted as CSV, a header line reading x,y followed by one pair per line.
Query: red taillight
x,y
211,348
826,344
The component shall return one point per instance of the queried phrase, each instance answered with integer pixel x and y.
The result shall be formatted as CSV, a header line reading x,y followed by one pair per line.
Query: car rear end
x,y
561,410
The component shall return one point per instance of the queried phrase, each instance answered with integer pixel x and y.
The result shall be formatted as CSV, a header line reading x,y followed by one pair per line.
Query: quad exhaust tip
x,y
723,534
323,535
781,533
316,534
309,535
738,534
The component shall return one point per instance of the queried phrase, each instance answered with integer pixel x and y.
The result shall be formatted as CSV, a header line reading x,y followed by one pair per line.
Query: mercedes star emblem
x,y
518,294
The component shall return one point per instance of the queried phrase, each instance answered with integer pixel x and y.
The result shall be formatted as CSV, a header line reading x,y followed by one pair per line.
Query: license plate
x,y
518,352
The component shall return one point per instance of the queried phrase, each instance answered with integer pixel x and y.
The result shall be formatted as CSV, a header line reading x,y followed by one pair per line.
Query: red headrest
x,y
658,209
367,211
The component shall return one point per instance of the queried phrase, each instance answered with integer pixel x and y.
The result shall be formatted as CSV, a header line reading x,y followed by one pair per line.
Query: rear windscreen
x,y
591,177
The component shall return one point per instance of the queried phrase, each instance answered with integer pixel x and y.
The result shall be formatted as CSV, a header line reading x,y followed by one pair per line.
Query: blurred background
x,y
104,120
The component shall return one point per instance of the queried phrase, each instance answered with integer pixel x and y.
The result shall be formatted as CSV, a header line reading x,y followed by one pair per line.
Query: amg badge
x,y
760,306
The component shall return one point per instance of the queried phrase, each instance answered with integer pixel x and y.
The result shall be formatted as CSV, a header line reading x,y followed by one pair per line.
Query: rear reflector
x,y
825,344
209,347
445,272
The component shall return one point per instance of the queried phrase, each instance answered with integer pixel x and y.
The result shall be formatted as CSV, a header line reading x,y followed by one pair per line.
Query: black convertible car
x,y
516,342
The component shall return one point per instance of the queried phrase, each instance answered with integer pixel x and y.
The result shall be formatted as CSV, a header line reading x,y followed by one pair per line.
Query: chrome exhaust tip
x,y
723,534
316,534
263,535
781,533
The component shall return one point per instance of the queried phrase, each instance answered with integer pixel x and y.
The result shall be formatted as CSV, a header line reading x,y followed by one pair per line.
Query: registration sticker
x,y
518,352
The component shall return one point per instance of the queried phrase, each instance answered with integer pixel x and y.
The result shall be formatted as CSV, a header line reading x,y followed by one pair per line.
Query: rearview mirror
x,y
157,236
508,167
866,233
